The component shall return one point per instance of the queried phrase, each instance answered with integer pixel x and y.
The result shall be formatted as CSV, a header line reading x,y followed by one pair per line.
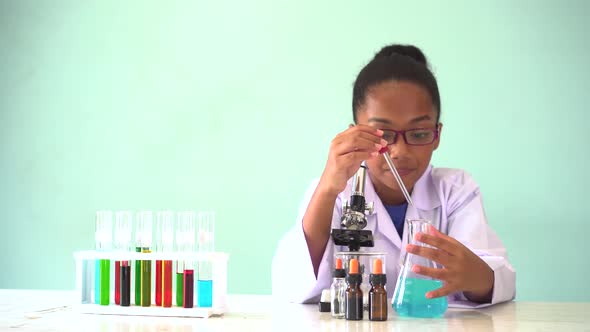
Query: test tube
x,y
164,243
158,248
137,263
144,235
206,244
185,239
103,237
123,224
137,268
179,247
86,285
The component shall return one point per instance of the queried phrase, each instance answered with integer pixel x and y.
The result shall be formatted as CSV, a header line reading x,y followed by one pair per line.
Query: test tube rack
x,y
85,281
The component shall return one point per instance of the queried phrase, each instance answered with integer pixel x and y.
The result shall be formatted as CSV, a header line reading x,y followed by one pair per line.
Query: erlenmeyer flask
x,y
409,298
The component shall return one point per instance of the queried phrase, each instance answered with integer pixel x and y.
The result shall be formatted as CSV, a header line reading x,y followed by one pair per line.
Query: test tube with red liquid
x,y
185,241
164,243
123,227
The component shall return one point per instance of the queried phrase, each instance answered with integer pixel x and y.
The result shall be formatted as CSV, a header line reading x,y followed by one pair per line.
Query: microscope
x,y
369,265
354,220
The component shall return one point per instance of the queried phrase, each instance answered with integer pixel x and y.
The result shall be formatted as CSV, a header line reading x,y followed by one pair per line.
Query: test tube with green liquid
x,y
103,237
137,280
136,274
146,280
143,235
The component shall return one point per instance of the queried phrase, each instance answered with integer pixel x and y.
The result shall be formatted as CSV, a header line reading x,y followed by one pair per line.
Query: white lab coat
x,y
449,198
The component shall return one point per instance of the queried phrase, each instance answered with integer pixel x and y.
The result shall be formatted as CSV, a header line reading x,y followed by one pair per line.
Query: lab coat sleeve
x,y
293,277
468,224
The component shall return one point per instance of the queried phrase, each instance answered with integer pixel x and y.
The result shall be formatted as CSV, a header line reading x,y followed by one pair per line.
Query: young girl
x,y
396,103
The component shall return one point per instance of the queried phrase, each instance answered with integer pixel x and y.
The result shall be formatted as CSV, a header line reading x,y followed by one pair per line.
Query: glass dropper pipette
x,y
396,175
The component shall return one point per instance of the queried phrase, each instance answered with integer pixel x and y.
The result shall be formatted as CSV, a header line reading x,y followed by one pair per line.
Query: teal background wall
x,y
231,105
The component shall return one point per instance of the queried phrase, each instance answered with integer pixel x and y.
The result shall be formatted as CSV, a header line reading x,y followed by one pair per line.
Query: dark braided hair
x,y
395,63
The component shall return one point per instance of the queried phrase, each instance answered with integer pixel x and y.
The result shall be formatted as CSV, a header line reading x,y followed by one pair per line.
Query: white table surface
x,y
38,310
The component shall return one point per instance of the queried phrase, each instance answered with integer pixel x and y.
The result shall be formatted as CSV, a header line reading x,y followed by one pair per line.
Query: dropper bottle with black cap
x,y
354,294
338,290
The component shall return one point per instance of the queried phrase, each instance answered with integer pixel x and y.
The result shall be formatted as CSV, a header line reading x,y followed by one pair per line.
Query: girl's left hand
x,y
462,271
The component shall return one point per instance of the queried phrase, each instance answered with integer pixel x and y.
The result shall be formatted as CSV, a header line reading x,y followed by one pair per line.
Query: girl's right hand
x,y
347,151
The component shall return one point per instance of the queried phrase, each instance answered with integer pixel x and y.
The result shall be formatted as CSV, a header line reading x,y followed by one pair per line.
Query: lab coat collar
x,y
424,195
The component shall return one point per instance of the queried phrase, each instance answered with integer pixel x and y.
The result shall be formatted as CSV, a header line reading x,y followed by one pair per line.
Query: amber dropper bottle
x,y
378,295
354,294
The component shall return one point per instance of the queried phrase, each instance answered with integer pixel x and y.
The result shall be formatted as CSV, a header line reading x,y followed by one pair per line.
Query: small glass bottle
x,y
338,290
354,294
378,294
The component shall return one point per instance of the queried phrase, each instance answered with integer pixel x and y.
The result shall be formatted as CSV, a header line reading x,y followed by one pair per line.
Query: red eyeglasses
x,y
416,136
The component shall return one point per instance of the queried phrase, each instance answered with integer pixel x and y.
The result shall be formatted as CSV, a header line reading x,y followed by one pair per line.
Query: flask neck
x,y
415,226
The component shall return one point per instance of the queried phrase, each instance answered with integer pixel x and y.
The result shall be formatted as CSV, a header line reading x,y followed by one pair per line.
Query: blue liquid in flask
x,y
413,301
205,293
